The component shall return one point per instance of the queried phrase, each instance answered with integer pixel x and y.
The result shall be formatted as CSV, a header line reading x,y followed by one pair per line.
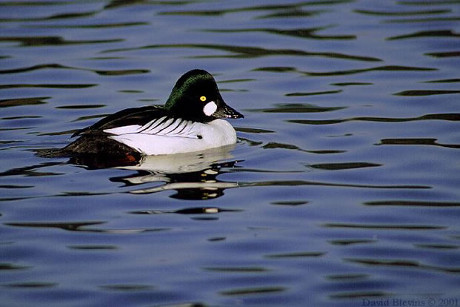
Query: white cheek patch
x,y
210,108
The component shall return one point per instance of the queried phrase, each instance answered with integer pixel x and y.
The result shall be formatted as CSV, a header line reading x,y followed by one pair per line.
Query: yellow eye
x,y
203,98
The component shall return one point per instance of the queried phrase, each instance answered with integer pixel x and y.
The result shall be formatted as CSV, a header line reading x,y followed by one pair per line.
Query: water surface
x,y
341,191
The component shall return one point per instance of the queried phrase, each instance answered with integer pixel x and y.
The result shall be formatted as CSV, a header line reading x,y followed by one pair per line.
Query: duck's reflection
x,y
191,175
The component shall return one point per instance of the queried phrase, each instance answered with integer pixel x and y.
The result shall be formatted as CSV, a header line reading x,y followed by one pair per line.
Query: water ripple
x,y
237,269
408,203
423,20
296,255
59,86
407,13
403,263
284,10
344,165
416,141
193,210
392,68
252,290
22,101
70,226
297,108
119,72
444,54
425,92
384,226
308,33
26,41
32,285
437,33
82,227
372,85
446,117
248,52
327,184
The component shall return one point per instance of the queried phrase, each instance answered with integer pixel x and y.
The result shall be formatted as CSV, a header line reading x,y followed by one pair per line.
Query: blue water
x,y
341,191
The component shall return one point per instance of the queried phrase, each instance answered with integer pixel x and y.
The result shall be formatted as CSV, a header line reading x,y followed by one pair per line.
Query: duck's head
x,y
196,97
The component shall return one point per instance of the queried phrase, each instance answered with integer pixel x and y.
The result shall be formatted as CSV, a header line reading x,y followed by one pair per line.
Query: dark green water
x,y
343,189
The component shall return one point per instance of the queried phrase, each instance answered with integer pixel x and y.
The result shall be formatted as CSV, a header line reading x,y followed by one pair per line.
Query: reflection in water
x,y
64,226
31,170
192,175
89,227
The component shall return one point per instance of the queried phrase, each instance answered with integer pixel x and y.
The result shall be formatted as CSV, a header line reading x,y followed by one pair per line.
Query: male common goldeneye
x,y
191,120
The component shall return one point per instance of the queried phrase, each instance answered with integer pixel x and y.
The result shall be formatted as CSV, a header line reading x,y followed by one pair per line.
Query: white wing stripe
x,y
169,124
173,130
163,126
147,126
123,130
153,124
184,125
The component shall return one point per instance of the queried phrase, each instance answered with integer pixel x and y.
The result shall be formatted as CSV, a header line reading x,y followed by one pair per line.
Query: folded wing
x,y
163,126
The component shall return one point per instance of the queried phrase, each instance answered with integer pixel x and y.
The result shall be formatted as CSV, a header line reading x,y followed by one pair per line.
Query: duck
x,y
192,119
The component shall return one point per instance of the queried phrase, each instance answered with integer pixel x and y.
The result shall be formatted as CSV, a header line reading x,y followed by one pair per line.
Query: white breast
x,y
170,136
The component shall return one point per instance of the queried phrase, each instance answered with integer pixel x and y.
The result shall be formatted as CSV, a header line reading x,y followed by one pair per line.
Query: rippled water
x,y
342,190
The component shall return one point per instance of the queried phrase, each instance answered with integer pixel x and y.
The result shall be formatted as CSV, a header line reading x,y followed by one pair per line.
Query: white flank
x,y
174,136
